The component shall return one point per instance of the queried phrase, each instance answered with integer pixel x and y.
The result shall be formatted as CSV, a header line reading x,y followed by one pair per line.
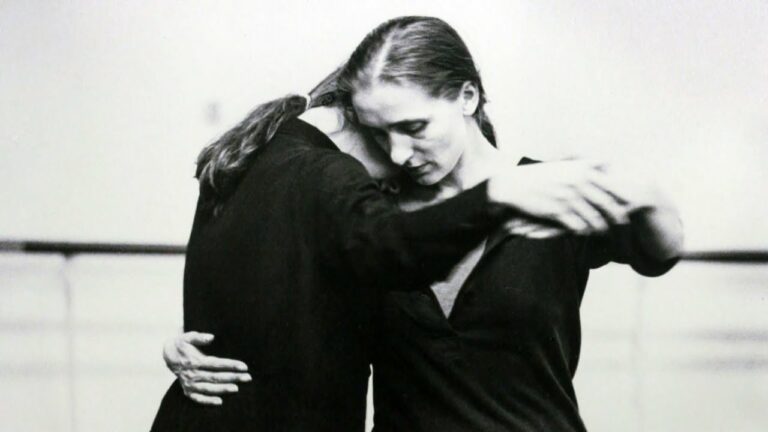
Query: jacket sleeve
x,y
363,234
621,245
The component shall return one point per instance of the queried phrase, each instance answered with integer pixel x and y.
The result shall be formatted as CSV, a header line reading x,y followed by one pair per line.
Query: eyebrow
x,y
395,124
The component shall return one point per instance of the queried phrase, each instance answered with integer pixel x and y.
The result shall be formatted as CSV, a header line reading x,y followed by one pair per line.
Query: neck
x,y
478,162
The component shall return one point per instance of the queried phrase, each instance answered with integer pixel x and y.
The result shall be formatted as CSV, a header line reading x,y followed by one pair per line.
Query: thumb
x,y
197,338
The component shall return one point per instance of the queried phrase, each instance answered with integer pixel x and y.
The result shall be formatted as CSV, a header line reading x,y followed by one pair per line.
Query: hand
x,y
635,185
203,378
577,195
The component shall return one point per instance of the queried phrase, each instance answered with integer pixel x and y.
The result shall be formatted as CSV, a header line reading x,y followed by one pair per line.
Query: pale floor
x,y
80,344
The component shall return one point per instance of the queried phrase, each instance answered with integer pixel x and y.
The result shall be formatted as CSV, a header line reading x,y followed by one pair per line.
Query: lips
x,y
419,170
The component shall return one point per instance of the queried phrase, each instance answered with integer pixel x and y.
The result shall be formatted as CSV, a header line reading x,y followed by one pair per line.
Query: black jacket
x,y
285,277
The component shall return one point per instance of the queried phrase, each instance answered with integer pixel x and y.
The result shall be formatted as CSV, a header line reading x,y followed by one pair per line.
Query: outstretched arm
x,y
626,216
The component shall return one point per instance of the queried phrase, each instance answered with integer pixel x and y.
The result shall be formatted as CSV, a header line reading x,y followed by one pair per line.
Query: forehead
x,y
382,103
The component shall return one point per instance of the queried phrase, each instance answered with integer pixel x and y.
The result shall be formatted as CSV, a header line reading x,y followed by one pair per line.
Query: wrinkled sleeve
x,y
362,233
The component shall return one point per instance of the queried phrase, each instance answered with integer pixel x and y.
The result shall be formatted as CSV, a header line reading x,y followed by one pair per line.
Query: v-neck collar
x,y
493,241
501,233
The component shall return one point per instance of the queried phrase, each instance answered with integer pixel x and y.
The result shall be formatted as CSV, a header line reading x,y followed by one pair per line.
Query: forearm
x,y
400,250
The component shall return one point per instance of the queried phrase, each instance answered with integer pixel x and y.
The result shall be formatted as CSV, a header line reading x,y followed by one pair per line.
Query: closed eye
x,y
413,127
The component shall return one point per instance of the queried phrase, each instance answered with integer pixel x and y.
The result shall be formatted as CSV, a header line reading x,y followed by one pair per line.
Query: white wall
x,y
104,105
81,340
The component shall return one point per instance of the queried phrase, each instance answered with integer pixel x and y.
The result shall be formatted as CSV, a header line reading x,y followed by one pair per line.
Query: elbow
x,y
660,247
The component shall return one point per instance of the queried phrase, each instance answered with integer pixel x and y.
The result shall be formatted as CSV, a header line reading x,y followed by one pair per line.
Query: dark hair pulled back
x,y
424,51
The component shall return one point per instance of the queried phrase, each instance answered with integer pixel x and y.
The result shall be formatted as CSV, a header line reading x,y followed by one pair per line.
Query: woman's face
x,y
422,134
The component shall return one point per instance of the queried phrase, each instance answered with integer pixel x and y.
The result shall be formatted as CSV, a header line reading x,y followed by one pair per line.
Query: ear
x,y
470,98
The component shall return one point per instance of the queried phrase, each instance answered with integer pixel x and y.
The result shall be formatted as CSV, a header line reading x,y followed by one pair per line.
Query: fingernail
x,y
247,377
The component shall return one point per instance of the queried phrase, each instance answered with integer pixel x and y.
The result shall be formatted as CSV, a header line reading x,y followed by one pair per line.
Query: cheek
x,y
439,135
447,148
433,149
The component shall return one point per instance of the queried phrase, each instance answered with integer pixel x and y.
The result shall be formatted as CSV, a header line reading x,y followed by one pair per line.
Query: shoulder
x,y
330,170
323,155
323,166
310,150
300,131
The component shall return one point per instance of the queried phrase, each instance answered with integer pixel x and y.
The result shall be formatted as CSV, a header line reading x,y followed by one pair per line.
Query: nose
x,y
400,149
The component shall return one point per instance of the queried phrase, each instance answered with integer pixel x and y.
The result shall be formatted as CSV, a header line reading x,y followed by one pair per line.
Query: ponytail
x,y
222,164
486,127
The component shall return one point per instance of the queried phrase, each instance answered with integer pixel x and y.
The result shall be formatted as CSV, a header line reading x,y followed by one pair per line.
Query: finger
x,y
522,229
514,223
196,338
203,376
589,214
610,185
605,203
220,377
525,228
545,233
210,388
205,400
220,364
572,222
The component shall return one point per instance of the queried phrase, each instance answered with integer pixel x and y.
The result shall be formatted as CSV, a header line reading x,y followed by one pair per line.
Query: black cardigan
x,y
286,275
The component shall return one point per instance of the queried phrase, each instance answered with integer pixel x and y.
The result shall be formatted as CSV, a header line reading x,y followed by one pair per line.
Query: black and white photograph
x,y
383,216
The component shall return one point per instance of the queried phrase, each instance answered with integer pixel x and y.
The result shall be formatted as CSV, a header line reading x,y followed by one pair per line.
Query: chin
x,y
429,179
423,182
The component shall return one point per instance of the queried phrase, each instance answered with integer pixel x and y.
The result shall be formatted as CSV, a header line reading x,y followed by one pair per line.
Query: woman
x,y
290,242
495,345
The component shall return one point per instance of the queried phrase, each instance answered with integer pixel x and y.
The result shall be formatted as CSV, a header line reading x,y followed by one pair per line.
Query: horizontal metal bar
x,y
71,248
728,256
